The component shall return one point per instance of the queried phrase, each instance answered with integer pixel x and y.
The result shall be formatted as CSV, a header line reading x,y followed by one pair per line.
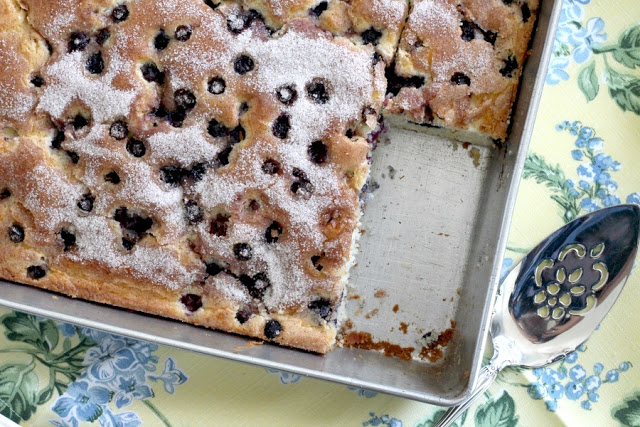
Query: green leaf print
x,y
439,414
628,413
18,391
498,413
628,49
625,90
588,81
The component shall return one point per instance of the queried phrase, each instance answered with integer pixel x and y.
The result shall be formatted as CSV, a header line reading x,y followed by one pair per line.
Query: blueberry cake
x,y
458,66
159,157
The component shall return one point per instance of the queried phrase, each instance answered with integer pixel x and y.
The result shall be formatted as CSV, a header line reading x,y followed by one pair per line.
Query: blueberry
x,y
242,251
16,233
322,307
396,82
133,226
507,2
256,285
287,94
281,126
191,301
317,10
37,81
468,31
254,205
161,40
237,134
213,268
68,238
118,130
78,41
216,129
461,79
197,172
272,329
243,64
244,107
243,315
102,36
302,188
193,212
136,148
95,63
58,139
271,166
184,98
526,12
112,177
238,22
86,203
317,152
223,156
371,36
216,85
120,13
510,65
315,260
172,174
219,224
73,156
211,4
176,117
183,33
317,91
5,194
36,272
79,121
151,73
490,36
273,232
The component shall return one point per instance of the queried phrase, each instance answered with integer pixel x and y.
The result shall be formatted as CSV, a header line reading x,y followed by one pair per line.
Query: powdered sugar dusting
x,y
69,81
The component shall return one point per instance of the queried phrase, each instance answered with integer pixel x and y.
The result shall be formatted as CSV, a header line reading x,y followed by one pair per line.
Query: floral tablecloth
x,y
585,155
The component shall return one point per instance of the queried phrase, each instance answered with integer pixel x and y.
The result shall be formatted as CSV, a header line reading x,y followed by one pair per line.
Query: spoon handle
x,y
486,377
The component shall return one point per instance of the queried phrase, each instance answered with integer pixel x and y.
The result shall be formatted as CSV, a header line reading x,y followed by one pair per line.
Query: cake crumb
x,y
380,293
403,327
475,155
434,351
364,341
396,308
372,313
247,346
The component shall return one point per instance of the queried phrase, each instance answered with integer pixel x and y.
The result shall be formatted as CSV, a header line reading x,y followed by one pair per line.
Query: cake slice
x,y
184,167
458,66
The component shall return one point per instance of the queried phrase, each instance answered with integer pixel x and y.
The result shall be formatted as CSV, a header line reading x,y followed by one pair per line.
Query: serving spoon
x,y
553,300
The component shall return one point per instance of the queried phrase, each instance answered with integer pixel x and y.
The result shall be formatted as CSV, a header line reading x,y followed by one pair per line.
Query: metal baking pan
x,y
430,255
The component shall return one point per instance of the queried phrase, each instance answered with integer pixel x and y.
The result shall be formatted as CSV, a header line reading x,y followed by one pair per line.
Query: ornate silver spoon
x,y
553,300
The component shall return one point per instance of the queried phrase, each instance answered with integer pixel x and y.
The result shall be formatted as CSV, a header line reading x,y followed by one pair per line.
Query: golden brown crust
x,y
459,62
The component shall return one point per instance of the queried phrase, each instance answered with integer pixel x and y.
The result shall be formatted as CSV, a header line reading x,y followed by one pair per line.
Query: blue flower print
x,y
557,73
67,329
361,392
286,378
170,377
82,401
122,419
383,420
131,388
555,382
634,198
585,38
